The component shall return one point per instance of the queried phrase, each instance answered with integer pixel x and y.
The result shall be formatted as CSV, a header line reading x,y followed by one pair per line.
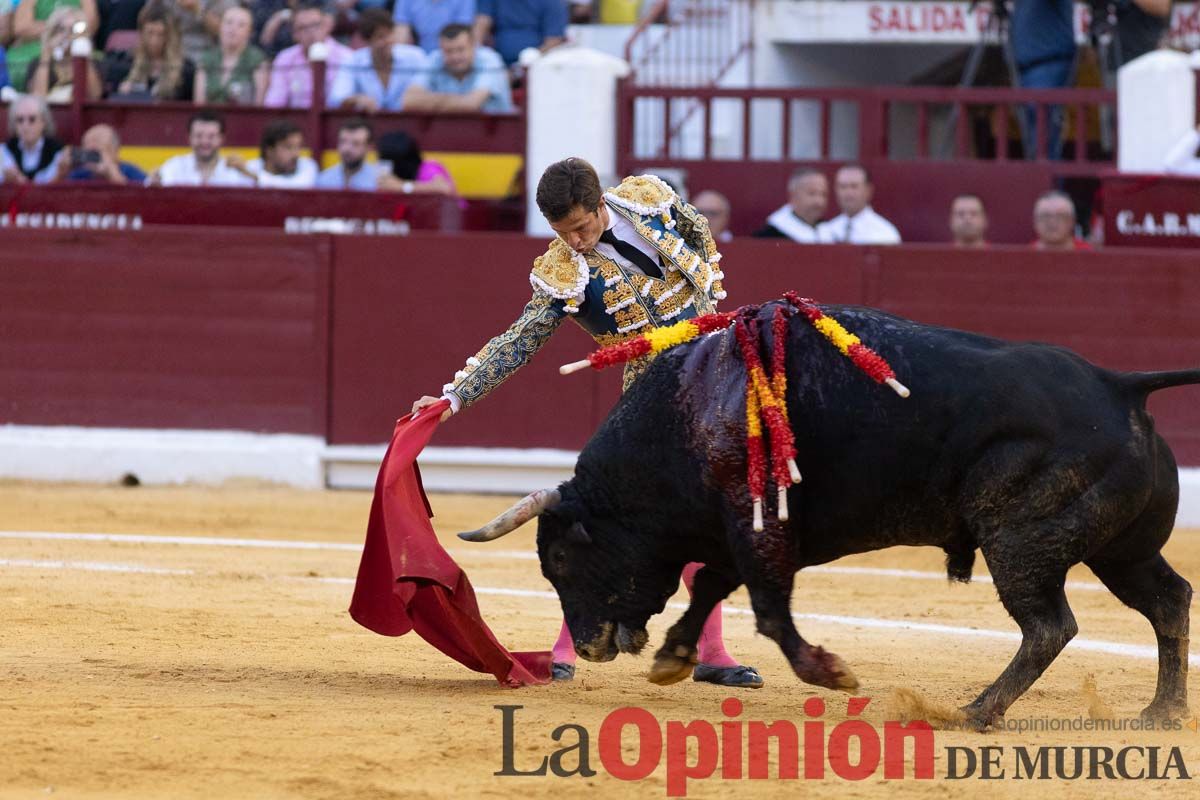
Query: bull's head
x,y
608,579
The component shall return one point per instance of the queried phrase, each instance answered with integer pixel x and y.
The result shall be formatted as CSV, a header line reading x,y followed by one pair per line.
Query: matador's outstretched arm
x,y
506,353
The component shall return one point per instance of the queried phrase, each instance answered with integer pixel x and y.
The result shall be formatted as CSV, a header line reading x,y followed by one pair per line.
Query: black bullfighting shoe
x,y
739,677
566,672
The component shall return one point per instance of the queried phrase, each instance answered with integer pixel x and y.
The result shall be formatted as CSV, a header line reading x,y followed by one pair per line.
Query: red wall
x,y
192,328
213,328
406,317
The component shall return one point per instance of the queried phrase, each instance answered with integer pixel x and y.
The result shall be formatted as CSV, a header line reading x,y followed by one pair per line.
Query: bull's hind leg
x,y
676,658
1163,596
1032,593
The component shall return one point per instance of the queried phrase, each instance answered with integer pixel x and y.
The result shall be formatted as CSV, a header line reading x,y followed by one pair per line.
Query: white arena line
x,y
516,555
92,566
1089,645
198,541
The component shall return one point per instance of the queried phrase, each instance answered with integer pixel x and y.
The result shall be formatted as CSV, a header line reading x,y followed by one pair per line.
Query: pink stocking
x,y
711,646
563,651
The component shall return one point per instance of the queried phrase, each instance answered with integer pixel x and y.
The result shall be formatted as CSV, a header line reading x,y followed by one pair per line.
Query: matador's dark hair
x,y
566,184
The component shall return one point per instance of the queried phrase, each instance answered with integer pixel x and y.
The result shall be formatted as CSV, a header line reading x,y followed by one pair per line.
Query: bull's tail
x,y
1147,382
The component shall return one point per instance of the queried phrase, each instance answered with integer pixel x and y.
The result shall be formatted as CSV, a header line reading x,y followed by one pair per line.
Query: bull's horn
x,y
526,509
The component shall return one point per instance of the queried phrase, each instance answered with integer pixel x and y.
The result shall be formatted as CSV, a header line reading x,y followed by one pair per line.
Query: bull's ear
x,y
578,534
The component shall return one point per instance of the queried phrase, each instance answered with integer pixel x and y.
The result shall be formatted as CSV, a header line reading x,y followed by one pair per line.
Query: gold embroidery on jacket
x,y
508,352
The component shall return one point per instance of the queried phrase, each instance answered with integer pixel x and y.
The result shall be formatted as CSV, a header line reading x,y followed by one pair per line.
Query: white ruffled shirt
x,y
623,229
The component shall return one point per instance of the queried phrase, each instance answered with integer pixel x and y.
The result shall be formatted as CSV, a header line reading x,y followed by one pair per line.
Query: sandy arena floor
x,y
156,669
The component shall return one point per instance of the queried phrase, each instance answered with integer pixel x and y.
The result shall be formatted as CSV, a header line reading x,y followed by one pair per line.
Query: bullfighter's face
x,y
581,228
608,592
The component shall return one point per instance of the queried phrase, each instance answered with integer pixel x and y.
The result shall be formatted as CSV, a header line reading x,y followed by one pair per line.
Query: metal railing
x,y
889,123
699,42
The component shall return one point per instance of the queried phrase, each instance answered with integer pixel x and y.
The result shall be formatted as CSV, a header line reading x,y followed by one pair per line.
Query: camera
x,y
80,157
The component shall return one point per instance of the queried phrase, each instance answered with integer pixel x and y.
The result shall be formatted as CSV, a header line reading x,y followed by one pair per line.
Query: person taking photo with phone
x,y
96,159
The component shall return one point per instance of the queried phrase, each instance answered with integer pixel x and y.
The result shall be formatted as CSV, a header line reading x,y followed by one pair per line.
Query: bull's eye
x,y
558,560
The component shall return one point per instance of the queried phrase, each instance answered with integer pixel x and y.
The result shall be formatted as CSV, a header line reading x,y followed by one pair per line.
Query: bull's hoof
x,y
827,670
672,666
1162,711
979,722
975,718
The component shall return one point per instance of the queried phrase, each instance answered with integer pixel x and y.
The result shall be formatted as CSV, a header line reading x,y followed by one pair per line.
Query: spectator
x,y
234,71
53,75
514,26
1043,45
291,76
29,24
414,173
204,165
273,25
97,159
281,166
714,207
799,219
1183,158
159,69
421,22
376,76
1141,27
31,152
462,77
353,171
1054,223
581,11
6,18
116,15
199,24
968,221
858,223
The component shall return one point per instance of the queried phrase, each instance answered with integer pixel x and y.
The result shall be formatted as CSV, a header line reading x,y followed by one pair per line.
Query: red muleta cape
x,y
407,581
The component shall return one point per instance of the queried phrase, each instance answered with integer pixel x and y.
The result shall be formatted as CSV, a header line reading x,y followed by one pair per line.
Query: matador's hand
x,y
428,401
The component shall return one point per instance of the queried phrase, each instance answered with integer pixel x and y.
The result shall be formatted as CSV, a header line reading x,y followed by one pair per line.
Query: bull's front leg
x,y
675,659
767,561
811,663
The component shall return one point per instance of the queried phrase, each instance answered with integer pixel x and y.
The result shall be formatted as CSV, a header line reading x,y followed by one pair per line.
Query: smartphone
x,y
80,157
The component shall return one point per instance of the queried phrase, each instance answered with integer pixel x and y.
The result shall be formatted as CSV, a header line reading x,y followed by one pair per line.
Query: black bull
x,y
1025,452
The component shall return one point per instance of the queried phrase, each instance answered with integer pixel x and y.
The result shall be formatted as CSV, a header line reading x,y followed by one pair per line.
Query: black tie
x,y
632,254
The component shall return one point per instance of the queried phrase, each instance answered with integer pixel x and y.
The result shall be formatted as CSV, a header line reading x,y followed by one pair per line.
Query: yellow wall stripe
x,y
477,175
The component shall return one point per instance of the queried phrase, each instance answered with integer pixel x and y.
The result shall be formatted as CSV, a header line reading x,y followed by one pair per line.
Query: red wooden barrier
x,y
1151,210
108,207
211,328
164,329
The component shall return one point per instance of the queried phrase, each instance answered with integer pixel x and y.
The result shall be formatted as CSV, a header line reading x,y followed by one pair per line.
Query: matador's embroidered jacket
x,y
608,301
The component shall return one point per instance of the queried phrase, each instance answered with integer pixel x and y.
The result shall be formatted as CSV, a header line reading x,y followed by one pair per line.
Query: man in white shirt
x,y
281,166
799,219
1182,158
858,223
204,165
